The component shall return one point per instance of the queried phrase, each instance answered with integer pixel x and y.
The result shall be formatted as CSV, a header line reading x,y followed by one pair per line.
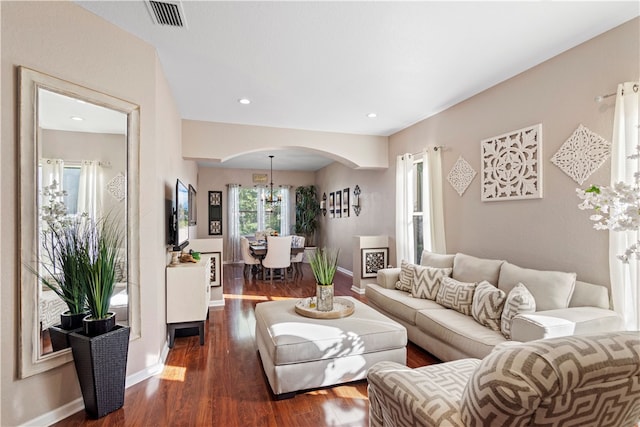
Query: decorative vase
x,y
101,365
70,321
93,327
324,297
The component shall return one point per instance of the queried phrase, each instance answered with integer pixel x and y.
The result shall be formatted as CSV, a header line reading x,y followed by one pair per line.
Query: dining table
x,y
259,250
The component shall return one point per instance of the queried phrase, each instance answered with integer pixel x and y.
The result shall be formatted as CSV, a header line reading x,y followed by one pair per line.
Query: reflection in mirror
x,y
85,144
82,151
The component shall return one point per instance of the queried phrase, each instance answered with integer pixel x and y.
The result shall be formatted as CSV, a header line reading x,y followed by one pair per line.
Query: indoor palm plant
x,y
307,211
324,263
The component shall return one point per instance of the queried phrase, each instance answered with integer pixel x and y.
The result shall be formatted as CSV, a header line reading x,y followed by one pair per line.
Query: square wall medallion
x,y
512,165
582,154
461,175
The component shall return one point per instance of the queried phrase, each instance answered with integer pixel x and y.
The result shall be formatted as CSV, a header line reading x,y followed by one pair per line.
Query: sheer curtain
x,y
233,237
404,208
285,210
625,281
89,185
52,170
432,201
261,194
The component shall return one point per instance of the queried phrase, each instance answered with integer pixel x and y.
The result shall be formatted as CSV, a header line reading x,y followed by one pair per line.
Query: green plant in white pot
x,y
324,263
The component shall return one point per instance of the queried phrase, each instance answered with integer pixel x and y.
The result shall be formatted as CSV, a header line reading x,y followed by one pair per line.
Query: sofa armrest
x,y
387,277
400,396
563,322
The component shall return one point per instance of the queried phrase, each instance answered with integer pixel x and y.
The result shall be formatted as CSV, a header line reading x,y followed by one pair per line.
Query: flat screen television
x,y
181,217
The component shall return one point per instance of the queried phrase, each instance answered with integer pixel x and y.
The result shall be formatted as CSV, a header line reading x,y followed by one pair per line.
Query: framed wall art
x,y
373,259
512,165
345,202
338,207
216,265
332,204
192,206
215,213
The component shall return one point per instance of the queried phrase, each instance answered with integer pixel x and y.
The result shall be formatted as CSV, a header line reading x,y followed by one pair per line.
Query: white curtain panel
x,y
261,194
233,222
52,170
625,281
404,208
89,189
432,200
285,210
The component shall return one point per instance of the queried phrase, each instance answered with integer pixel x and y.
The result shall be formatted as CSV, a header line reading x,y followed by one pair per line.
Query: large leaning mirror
x,y
83,143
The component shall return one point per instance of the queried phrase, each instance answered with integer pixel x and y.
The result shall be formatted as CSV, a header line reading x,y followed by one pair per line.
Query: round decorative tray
x,y
341,308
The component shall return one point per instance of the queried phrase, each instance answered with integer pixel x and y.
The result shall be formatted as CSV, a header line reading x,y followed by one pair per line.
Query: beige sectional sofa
x,y
563,306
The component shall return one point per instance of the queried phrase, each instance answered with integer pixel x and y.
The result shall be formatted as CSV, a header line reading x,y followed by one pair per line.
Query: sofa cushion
x,y
519,301
406,276
458,331
467,268
431,259
589,295
488,302
426,281
551,289
398,303
456,295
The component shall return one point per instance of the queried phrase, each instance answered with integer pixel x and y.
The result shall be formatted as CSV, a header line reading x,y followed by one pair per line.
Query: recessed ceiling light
x,y
372,115
76,118
244,101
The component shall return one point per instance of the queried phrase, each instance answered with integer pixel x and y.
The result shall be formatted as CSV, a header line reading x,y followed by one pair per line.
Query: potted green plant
x,y
100,351
307,211
324,263
60,263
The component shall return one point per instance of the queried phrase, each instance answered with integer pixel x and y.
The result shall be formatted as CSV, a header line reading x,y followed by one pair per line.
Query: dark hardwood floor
x,y
222,382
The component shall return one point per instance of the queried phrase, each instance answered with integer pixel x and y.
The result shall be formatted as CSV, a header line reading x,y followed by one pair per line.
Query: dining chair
x,y
296,260
249,260
278,255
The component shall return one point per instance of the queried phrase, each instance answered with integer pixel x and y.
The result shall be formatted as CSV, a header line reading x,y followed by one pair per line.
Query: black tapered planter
x,y
59,334
101,365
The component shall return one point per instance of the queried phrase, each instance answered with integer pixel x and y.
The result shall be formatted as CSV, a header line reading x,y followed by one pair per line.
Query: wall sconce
x,y
323,204
356,200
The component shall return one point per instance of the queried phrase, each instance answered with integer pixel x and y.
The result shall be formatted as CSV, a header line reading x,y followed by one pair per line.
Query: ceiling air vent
x,y
167,13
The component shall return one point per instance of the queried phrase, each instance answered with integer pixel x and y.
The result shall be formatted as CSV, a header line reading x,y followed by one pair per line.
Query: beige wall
x,y
548,233
66,41
223,141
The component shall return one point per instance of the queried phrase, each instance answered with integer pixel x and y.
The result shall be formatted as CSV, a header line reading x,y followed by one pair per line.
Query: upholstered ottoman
x,y
300,353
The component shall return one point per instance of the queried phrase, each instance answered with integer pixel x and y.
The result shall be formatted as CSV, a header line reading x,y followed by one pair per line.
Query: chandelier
x,y
271,198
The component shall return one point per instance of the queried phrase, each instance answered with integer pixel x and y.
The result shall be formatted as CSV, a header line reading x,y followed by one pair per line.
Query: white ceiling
x,y
325,65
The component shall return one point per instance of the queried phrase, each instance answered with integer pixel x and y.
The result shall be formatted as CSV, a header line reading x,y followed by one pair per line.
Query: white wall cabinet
x,y
188,295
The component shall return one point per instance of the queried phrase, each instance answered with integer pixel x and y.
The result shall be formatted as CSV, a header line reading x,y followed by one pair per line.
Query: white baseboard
x,y
357,290
345,271
216,303
77,405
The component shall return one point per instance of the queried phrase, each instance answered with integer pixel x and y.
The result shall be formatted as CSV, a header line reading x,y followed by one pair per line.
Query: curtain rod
x,y
436,148
601,98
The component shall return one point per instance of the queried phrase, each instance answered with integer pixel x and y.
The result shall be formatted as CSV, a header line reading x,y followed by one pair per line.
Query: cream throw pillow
x,y
426,281
406,276
488,302
456,295
518,301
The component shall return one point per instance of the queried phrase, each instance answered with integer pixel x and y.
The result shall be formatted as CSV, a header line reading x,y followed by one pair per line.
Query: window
x,y
254,214
418,216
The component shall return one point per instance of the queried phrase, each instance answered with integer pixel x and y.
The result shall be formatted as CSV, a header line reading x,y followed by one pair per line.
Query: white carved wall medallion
x,y
461,175
117,187
512,165
582,154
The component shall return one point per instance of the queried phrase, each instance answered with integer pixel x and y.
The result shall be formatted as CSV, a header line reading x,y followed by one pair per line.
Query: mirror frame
x,y
31,362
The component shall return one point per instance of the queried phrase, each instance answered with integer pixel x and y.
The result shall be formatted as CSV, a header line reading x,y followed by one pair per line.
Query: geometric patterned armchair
x,y
579,380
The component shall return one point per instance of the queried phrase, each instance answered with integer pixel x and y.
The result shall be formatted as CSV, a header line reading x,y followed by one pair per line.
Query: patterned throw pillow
x,y
426,281
456,295
488,302
406,276
518,301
